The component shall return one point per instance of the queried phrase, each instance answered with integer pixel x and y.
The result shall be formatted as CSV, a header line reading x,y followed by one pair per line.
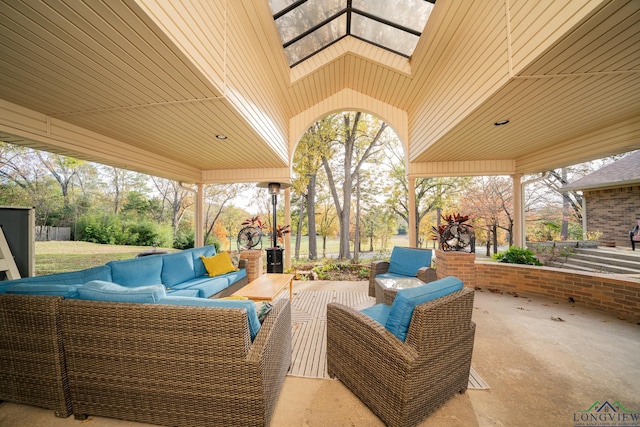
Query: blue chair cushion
x,y
248,305
98,290
378,312
67,291
407,299
137,271
407,261
177,268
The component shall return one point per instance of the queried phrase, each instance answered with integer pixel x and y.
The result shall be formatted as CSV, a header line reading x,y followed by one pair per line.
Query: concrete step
x,y
610,262
617,254
570,266
597,265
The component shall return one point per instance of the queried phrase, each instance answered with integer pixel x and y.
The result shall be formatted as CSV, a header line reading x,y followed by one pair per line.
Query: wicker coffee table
x,y
387,288
267,287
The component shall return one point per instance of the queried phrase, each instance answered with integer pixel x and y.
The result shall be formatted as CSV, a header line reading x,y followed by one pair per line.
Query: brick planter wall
x,y
459,264
254,263
604,291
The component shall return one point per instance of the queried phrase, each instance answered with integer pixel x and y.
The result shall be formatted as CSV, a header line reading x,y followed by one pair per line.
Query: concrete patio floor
x,y
544,360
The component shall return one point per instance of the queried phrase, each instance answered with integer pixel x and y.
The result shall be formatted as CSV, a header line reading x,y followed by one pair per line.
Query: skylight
x,y
308,26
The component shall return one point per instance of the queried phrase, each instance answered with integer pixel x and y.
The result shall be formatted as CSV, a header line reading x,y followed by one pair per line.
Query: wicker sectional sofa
x,y
161,357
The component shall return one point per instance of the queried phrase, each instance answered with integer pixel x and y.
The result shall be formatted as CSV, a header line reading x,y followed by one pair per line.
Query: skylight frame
x,y
348,11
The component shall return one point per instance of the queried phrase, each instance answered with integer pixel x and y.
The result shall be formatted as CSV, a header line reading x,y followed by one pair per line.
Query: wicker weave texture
x,y
175,365
32,359
403,382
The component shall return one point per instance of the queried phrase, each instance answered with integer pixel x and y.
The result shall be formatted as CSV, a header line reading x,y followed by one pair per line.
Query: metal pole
x,y
274,199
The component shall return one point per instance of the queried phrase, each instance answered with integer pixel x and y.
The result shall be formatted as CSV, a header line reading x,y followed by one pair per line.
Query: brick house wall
x,y
613,212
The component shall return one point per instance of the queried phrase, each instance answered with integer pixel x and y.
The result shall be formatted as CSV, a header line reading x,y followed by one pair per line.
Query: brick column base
x,y
459,264
254,263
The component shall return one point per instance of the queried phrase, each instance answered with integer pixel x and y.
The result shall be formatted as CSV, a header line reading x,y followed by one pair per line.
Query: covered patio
x,y
203,91
541,372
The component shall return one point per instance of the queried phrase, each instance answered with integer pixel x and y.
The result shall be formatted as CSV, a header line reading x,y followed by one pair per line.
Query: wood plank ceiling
x,y
148,85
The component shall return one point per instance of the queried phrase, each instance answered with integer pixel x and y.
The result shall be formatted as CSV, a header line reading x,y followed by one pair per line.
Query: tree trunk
x,y
311,215
356,234
324,246
495,238
299,229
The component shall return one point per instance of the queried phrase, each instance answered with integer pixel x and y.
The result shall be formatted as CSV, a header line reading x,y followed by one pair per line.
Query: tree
x,y
217,196
358,140
62,168
489,202
430,193
178,198
307,161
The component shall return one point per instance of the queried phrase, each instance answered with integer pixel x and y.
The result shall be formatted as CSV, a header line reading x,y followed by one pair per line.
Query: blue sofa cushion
x,y
249,306
71,278
177,268
407,299
198,265
211,286
407,261
137,271
184,293
98,290
378,312
234,276
67,291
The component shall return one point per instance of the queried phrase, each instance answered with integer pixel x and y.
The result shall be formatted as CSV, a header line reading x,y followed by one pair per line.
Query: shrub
x,y
515,255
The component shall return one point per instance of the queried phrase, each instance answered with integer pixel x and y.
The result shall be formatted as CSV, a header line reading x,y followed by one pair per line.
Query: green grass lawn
x,y
59,257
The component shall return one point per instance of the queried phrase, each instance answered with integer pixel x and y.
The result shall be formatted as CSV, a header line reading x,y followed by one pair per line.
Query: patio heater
x,y
274,253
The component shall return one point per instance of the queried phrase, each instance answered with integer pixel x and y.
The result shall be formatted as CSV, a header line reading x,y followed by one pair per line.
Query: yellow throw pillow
x,y
218,264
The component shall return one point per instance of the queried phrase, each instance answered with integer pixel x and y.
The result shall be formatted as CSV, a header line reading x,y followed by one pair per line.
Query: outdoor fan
x,y
249,237
455,235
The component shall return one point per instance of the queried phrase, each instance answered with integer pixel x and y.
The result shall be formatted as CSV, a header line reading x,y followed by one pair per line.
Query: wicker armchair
x,y
423,268
403,382
175,365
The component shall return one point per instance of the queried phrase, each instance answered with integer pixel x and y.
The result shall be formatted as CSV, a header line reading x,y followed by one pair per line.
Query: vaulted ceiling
x,y
155,85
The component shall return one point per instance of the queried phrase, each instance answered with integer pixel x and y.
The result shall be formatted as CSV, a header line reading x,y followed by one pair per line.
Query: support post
x,y
287,220
518,212
199,220
413,231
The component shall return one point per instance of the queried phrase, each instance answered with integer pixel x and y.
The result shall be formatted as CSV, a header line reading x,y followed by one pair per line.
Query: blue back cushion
x,y
177,268
137,271
378,312
67,291
407,261
407,299
99,290
248,305
196,253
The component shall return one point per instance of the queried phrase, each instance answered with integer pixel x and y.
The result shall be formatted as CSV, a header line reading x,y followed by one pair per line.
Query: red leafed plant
x,y
254,222
282,230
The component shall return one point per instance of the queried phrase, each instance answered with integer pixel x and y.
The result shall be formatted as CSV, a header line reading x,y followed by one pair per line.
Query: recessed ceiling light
x,y
501,122
221,136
